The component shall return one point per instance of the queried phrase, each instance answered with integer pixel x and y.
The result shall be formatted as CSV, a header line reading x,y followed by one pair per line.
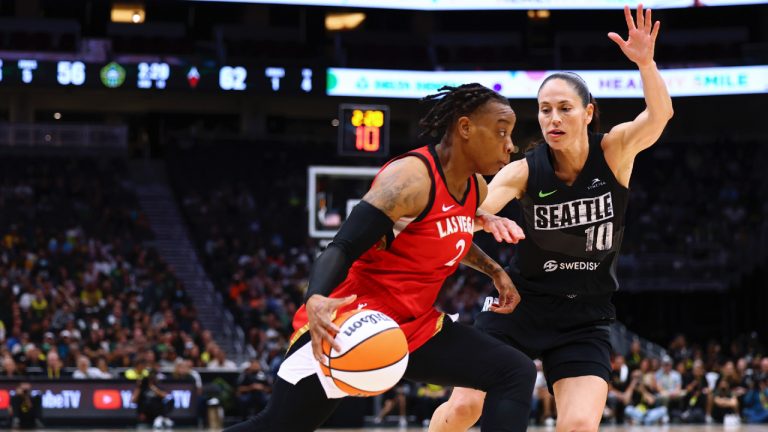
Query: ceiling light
x,y
133,13
343,21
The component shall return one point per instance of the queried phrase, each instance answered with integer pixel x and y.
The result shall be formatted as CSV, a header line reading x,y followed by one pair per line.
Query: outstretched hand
x,y
641,40
501,228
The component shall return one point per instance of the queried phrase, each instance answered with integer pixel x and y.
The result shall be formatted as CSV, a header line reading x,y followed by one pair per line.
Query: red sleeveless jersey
x,y
404,279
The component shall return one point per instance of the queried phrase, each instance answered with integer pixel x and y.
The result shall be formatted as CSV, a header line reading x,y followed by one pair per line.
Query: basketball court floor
x,y
668,428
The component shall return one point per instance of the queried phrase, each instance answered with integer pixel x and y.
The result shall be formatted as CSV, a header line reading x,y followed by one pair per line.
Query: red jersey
x,y
404,279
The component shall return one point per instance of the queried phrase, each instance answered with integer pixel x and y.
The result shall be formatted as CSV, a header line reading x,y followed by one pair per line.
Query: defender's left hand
x,y
641,41
502,229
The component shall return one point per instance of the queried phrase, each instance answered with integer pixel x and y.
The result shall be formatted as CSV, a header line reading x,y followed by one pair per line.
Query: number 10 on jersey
x,y
600,237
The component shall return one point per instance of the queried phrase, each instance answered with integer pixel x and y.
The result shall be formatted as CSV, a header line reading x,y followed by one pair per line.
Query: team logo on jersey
x,y
573,213
553,265
596,183
454,224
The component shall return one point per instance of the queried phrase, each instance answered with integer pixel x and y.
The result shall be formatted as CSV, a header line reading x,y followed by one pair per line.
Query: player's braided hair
x,y
452,103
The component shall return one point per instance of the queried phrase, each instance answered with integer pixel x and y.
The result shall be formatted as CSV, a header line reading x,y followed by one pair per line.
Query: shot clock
x,y
363,130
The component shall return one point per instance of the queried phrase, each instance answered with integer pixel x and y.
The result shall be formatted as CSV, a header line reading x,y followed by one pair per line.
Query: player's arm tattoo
x,y
396,194
480,261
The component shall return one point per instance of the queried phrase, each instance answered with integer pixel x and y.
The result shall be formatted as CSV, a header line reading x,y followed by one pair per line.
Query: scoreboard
x,y
161,75
363,130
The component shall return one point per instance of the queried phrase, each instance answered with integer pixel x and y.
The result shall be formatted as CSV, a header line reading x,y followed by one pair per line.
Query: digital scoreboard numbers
x,y
233,78
161,76
363,130
70,73
153,75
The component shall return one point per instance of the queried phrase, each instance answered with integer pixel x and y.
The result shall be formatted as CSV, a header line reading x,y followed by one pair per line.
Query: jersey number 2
x,y
604,237
460,245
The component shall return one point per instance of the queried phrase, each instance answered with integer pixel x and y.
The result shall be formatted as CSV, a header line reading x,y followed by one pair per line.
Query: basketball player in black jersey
x,y
573,194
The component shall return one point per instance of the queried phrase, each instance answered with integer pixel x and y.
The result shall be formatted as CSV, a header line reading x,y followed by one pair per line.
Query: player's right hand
x,y
641,40
509,298
320,311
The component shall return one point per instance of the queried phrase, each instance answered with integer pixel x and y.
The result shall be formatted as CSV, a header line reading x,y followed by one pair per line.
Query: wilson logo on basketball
x,y
107,399
372,354
368,319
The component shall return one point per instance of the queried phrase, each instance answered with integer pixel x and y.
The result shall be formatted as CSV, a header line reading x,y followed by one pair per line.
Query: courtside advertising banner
x,y
381,83
98,400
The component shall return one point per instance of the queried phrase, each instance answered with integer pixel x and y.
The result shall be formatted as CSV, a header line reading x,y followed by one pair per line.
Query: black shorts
x,y
570,336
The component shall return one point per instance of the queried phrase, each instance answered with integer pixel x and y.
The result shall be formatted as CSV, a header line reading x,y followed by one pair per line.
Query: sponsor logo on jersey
x,y
553,265
550,266
446,208
596,183
573,213
454,224
543,194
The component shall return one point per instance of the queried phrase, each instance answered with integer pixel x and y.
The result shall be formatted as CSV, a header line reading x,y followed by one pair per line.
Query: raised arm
x,y
628,139
400,190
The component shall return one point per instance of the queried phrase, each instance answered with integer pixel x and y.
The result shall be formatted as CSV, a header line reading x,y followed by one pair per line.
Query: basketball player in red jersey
x,y
571,187
393,253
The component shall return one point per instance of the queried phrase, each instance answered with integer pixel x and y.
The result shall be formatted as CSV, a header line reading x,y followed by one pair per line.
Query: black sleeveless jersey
x,y
573,233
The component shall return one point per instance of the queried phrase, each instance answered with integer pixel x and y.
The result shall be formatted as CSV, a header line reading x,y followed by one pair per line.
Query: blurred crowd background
x,y
161,235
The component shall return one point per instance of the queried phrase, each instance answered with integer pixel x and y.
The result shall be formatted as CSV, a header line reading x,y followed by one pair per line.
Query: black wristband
x,y
364,227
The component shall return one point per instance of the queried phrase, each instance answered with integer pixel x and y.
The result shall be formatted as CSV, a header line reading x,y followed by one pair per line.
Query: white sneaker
x,y
731,420
158,423
549,422
167,422
403,422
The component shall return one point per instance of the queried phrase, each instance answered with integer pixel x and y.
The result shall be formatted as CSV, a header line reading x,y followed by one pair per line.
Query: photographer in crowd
x,y
25,407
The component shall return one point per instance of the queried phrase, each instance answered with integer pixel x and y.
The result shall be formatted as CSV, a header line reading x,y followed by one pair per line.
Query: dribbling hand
x,y
320,309
502,229
641,40
509,298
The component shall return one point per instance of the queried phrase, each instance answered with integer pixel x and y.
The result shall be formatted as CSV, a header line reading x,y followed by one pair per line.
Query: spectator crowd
x,y
84,295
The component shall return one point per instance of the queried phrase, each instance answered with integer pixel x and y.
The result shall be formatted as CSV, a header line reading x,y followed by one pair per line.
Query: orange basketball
x,y
373,356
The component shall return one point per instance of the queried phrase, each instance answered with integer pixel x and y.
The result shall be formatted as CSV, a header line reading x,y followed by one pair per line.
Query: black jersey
x,y
573,233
